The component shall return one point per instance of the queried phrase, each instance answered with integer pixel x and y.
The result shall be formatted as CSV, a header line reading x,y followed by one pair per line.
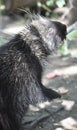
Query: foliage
x,y
50,5
72,35
60,3
1,2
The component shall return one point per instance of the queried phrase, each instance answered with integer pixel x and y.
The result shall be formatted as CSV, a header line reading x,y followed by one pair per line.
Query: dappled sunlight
x,y
13,30
71,70
63,90
61,76
2,7
68,104
39,106
73,53
47,105
59,128
68,123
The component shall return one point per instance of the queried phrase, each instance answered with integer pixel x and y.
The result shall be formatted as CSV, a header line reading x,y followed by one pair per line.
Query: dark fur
x,y
21,62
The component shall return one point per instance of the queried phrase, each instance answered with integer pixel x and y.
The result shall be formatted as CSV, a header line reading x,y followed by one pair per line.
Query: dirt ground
x,y
65,82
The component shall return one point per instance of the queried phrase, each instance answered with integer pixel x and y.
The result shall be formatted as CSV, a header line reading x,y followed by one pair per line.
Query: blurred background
x,y
13,14
62,69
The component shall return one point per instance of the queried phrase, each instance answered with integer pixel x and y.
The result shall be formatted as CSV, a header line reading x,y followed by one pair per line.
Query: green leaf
x,y
39,4
60,3
62,47
49,2
72,35
47,13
